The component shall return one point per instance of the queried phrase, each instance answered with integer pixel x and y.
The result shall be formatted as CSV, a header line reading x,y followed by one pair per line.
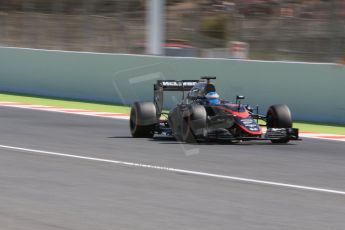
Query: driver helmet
x,y
213,98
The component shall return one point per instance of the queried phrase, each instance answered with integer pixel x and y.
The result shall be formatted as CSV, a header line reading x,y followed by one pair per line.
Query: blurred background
x,y
289,30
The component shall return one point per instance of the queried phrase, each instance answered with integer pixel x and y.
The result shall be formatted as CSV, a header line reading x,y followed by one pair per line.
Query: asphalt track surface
x,y
43,191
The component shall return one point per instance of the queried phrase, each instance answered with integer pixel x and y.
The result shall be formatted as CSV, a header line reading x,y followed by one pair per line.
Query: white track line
x,y
111,115
324,136
176,170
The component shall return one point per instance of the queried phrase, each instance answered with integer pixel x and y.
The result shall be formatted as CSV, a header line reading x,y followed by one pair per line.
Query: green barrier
x,y
314,92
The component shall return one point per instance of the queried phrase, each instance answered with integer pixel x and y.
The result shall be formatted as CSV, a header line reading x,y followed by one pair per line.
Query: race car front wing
x,y
282,133
271,134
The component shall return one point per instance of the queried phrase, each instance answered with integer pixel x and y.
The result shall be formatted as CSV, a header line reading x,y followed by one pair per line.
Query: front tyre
x,y
193,124
143,119
279,116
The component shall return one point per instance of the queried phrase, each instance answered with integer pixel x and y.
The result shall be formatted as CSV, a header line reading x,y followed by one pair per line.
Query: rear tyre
x,y
143,119
279,116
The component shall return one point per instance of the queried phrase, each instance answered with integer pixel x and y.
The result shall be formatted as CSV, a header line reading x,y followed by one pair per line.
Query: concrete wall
x,y
314,92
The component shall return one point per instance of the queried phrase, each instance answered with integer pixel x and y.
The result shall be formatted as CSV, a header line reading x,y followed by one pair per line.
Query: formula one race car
x,y
202,116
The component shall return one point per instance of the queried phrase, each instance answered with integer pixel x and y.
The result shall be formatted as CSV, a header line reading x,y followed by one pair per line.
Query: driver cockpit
x,y
204,93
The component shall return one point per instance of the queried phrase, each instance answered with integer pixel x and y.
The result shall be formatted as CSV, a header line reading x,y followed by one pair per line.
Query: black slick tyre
x,y
143,119
279,116
193,124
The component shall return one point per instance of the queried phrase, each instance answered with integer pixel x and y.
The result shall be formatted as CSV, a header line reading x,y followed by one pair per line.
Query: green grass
x,y
103,107
320,128
100,107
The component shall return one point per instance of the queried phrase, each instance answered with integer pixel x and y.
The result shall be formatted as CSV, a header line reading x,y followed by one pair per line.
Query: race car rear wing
x,y
175,85
169,85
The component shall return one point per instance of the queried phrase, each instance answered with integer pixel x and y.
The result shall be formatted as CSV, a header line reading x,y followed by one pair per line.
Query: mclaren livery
x,y
203,116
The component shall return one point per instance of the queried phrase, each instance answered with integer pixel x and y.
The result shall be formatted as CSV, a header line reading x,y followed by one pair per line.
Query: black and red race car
x,y
194,119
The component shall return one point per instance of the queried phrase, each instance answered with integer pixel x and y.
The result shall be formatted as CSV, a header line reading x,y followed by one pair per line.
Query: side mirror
x,y
238,98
